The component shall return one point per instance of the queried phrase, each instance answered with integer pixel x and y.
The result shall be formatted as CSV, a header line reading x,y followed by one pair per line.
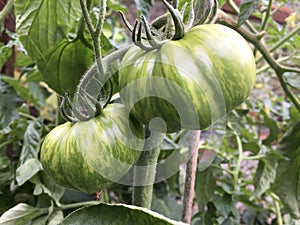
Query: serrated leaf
x,y
42,24
247,7
32,139
287,181
66,65
21,214
266,172
143,7
205,186
9,102
108,214
27,170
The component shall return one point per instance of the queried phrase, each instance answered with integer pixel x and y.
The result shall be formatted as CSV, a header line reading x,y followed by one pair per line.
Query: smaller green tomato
x,y
91,155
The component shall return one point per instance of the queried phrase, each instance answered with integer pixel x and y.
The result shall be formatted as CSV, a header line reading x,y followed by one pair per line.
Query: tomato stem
x,y
145,170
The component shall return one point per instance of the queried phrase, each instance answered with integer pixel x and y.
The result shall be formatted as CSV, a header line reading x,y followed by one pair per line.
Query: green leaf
x,y
247,7
167,206
32,139
290,141
5,53
116,6
22,91
287,181
294,113
44,184
289,220
205,187
225,205
251,146
27,170
273,128
108,214
55,218
42,24
143,7
21,214
9,102
266,172
66,65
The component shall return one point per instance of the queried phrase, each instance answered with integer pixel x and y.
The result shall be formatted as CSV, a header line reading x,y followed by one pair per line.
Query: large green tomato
x,y
90,155
189,83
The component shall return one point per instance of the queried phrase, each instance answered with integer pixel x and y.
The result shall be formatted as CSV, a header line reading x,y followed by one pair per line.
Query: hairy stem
x,y
145,170
107,60
191,167
95,33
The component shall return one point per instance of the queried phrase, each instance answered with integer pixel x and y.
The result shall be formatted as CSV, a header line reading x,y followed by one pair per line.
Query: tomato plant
x,y
187,63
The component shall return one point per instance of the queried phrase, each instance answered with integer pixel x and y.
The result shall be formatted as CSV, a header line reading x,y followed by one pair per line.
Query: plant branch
x,y
145,170
256,41
95,33
191,167
282,41
77,205
277,209
266,15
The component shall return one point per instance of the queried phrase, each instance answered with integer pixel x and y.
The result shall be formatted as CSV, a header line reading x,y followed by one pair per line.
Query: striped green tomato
x,y
189,83
90,155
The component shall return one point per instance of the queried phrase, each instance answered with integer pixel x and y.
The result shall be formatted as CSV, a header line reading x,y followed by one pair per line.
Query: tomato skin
x,y
91,155
190,83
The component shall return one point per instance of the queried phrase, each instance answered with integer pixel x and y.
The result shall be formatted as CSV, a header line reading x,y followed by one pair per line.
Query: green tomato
x,y
189,83
90,155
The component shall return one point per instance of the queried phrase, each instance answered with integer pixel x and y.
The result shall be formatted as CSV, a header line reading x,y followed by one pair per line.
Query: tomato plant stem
x,y
77,205
266,15
277,209
145,170
95,32
191,167
239,161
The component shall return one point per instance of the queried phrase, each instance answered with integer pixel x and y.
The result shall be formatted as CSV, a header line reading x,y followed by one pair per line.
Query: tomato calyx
x,y
83,108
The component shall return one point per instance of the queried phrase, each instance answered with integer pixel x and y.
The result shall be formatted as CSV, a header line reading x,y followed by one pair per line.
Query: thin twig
x,y
191,167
